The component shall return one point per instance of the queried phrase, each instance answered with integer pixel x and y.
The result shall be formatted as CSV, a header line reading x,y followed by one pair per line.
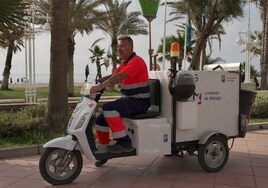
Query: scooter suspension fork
x,y
65,161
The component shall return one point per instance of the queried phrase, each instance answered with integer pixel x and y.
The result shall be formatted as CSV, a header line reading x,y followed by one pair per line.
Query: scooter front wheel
x,y
59,166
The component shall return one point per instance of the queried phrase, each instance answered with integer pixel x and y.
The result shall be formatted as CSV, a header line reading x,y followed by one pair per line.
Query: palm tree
x,y
83,14
97,56
263,5
12,17
180,39
120,22
58,99
209,60
207,16
12,43
12,14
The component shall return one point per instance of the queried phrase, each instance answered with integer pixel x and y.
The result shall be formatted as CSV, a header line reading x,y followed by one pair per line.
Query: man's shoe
x,y
101,162
117,148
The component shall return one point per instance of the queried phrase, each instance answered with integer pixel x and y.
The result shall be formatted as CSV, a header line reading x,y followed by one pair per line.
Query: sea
x,y
17,78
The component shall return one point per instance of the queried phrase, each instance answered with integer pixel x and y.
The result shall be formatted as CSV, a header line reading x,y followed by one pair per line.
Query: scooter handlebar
x,y
85,91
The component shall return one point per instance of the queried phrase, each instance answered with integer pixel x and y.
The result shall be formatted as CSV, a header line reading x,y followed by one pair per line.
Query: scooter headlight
x,y
81,121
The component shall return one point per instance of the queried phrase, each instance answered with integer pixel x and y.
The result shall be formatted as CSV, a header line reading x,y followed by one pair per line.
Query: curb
x,y
37,149
21,151
257,126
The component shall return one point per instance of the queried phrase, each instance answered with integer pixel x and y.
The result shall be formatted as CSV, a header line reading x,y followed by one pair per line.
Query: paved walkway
x,y
247,167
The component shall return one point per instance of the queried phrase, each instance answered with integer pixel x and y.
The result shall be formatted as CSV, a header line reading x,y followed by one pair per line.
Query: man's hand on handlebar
x,y
97,88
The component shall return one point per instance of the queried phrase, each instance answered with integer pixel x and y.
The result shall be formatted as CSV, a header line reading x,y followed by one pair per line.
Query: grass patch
x,y
42,92
258,120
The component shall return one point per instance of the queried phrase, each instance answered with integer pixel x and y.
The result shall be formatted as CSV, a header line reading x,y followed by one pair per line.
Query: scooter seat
x,y
149,114
155,94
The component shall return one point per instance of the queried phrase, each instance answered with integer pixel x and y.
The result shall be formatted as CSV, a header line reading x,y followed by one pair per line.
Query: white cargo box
x,y
150,136
213,107
187,115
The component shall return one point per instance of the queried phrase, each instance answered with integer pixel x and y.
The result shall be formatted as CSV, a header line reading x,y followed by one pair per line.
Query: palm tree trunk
x,y
114,53
195,63
70,68
264,59
58,99
8,65
99,69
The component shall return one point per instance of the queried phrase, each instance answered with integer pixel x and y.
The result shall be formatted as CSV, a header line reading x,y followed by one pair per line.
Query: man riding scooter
x,y
132,75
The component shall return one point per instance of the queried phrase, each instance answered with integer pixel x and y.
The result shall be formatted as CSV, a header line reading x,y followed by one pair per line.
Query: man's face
x,y
124,49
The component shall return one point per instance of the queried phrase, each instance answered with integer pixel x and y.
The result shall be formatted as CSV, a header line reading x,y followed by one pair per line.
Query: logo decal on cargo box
x,y
222,78
165,138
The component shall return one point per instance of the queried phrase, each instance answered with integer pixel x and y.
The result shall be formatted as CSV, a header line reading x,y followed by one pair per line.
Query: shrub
x,y
260,106
27,120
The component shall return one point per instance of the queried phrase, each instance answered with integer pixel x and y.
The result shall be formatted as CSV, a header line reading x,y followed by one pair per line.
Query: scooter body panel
x,y
65,142
77,128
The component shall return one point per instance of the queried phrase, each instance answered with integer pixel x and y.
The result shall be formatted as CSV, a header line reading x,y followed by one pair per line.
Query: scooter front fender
x,y
65,142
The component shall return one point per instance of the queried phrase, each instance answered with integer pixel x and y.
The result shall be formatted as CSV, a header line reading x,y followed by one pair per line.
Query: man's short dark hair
x,y
127,38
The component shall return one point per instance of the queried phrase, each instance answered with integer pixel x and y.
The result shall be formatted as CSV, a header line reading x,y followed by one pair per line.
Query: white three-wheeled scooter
x,y
194,112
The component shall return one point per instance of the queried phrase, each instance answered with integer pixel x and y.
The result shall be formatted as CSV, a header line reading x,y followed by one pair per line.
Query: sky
x,y
230,50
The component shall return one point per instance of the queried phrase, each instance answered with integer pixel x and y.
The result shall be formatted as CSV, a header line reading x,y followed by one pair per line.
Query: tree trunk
x,y
6,72
195,63
70,68
204,57
98,69
264,59
58,98
114,53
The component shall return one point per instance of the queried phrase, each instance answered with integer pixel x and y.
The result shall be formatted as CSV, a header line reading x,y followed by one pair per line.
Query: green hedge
x,y
260,106
27,120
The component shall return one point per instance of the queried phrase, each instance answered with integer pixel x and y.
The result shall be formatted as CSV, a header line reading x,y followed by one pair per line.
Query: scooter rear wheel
x,y
214,154
59,166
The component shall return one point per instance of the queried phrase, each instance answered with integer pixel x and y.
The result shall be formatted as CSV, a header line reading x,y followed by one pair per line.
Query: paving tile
x,y
19,171
260,161
238,160
148,182
240,148
227,186
234,153
191,184
116,180
136,160
260,171
169,162
5,166
163,173
259,155
6,181
261,182
231,168
235,180
196,174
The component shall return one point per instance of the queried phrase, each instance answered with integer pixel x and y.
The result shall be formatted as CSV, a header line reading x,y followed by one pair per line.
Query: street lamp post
x,y
29,36
248,43
30,91
149,11
150,18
